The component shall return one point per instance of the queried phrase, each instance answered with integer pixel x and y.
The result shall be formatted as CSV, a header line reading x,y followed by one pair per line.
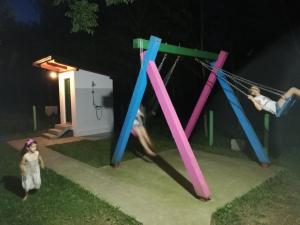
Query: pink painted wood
x,y
185,150
205,93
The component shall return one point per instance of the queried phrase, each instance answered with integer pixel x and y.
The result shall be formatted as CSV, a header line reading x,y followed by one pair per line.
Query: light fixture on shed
x,y
53,75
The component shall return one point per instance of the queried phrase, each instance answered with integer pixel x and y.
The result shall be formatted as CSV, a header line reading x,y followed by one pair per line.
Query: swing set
x,y
165,80
180,135
243,86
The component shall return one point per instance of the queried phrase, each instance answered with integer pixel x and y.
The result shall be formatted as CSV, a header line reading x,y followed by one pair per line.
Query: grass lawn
x,y
59,201
98,153
275,202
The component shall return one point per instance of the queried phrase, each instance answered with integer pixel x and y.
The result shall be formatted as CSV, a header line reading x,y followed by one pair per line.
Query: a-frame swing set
x,y
179,134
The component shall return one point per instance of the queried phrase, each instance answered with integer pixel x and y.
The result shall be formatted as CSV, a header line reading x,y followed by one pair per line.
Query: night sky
x,y
262,38
25,11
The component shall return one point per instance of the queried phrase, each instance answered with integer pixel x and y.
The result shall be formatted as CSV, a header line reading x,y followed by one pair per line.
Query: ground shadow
x,y
250,153
140,154
137,150
174,174
13,184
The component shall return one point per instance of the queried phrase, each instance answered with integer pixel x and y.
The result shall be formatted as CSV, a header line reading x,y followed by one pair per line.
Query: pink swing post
x,y
185,150
205,93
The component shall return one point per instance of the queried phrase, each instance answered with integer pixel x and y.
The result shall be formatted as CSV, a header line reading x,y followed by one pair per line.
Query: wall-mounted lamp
x,y
53,75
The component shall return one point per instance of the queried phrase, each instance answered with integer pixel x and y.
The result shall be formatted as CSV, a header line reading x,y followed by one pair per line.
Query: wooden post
x,y
205,125
136,99
211,128
173,49
34,117
266,131
212,78
243,120
185,150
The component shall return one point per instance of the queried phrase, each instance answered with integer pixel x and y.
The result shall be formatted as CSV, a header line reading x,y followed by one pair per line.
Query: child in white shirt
x,y
262,102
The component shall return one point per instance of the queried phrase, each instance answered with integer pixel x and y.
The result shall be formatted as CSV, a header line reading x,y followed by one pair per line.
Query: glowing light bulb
x,y
53,75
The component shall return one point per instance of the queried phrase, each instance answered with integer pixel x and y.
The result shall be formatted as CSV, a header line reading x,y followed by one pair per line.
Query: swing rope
x,y
168,76
162,62
261,86
212,69
241,81
231,81
141,51
166,81
244,80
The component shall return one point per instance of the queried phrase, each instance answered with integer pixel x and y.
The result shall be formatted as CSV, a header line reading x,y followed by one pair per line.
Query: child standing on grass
x,y
30,164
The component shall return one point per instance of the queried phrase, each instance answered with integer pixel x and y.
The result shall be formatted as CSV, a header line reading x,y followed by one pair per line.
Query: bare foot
x,y
150,153
25,197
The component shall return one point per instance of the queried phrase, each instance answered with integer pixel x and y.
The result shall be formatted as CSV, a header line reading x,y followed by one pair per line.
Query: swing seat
x,y
285,108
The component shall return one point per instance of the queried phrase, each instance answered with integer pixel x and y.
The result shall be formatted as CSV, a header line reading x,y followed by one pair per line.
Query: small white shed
x,y
85,98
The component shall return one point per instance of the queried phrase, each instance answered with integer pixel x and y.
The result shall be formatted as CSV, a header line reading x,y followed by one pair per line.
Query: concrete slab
x,y
159,192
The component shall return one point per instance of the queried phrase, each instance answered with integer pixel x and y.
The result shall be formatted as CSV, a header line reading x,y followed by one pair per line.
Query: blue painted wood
x,y
245,123
136,99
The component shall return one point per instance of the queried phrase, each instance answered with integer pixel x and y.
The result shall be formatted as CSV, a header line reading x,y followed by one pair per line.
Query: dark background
x,y
262,38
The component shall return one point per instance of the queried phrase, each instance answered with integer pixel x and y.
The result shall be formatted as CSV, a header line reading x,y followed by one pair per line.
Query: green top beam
x,y
173,49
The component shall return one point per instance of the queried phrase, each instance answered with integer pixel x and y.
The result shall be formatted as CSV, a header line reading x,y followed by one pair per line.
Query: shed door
x,y
68,101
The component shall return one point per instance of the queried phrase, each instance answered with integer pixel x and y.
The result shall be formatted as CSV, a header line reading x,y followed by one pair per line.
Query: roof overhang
x,y
49,63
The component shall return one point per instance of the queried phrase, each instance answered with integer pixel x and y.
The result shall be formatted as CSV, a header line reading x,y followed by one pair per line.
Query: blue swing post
x,y
245,123
136,100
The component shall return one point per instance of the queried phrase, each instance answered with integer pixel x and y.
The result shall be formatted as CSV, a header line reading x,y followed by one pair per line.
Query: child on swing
x,y
30,164
262,102
141,133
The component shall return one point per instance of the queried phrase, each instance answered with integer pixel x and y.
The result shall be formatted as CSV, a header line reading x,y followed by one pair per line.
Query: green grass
x,y
59,201
98,153
277,201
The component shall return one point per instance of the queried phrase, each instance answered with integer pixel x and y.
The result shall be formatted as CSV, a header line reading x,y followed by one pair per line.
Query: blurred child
x,y
141,133
30,164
